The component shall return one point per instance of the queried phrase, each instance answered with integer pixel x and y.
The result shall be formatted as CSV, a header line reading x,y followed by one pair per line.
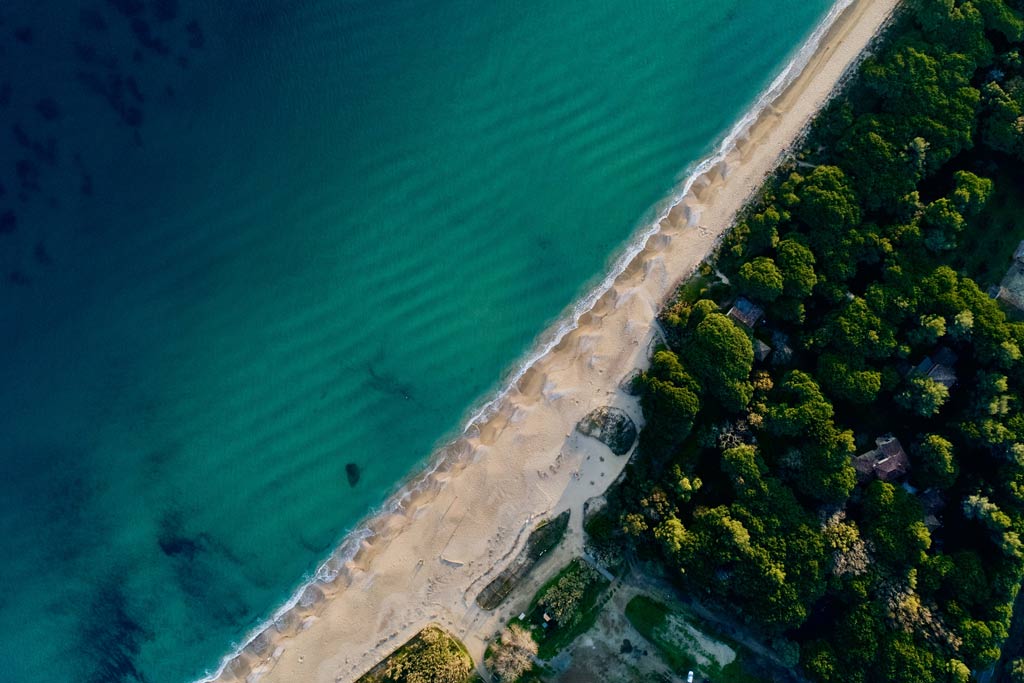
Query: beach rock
x,y
353,474
612,427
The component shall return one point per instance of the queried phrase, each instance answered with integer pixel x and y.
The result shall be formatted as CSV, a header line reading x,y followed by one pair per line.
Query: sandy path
x,y
427,562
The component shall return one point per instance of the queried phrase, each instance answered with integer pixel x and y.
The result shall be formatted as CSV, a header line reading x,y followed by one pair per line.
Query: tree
x,y
761,279
822,467
562,599
848,378
971,193
957,26
828,204
721,356
958,671
432,657
856,331
669,400
999,523
1001,18
893,522
820,661
927,93
879,160
796,262
513,655
1003,124
923,396
1017,670
931,328
941,224
936,464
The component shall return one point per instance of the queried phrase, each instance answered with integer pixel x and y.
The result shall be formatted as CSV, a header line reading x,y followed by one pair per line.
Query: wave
x,y
331,568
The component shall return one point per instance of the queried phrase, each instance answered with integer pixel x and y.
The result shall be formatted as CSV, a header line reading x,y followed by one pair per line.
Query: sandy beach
x,y
427,561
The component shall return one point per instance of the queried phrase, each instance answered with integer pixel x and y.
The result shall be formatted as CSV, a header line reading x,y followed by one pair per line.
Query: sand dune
x,y
426,561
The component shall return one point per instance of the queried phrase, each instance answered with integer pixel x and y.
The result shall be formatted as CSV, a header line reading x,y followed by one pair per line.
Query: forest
x,y
834,439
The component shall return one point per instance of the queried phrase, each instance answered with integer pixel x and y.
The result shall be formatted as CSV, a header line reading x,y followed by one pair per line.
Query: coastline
x,y
453,527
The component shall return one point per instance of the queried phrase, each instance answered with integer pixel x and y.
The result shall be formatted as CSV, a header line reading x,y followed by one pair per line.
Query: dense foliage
x,y
746,489
432,656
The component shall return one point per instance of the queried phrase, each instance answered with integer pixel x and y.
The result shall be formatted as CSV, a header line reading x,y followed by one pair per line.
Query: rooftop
x,y
887,461
746,312
1011,289
939,367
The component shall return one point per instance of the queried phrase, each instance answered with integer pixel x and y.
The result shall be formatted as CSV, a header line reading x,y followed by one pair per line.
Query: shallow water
x,y
270,239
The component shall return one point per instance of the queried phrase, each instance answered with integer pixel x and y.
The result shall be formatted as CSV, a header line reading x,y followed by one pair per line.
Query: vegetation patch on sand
x,y
431,656
542,540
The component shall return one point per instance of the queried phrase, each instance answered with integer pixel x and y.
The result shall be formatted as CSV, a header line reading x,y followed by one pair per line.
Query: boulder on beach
x,y
611,426
352,472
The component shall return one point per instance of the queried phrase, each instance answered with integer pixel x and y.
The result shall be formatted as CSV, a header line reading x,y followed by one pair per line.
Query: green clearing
x,y
666,629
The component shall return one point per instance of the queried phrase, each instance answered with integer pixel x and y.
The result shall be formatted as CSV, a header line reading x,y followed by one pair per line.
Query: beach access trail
x,y
427,561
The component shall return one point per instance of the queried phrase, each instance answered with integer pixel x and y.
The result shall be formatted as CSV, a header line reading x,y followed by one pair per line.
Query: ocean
x,y
259,259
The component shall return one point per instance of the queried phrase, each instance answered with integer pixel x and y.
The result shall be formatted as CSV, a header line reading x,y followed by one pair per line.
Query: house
x,y
1011,289
783,353
761,350
939,367
745,312
932,501
887,461
865,466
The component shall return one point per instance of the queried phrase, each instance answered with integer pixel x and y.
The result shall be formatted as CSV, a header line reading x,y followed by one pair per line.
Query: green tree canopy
x,y
935,462
721,356
923,396
828,205
796,263
761,279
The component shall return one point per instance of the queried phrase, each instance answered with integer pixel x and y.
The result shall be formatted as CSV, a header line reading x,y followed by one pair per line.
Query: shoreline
x,y
451,527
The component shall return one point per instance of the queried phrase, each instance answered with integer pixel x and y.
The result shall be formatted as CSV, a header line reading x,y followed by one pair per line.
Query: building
x,y
745,312
783,353
939,367
887,461
761,351
932,501
1011,289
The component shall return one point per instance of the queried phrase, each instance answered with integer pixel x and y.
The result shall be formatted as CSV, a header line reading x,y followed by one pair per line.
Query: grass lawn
x,y
665,628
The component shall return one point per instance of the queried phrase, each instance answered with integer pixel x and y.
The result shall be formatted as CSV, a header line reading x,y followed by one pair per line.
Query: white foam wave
x,y
330,568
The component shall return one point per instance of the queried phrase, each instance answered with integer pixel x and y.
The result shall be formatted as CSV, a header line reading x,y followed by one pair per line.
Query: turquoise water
x,y
270,239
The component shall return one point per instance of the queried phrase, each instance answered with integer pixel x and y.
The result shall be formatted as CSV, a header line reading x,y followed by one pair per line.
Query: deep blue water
x,y
244,244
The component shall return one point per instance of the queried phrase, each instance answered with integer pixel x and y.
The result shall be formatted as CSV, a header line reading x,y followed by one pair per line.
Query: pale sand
x,y
427,562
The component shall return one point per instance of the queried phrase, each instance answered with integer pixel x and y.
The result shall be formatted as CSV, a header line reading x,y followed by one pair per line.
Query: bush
x,y
562,599
512,656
